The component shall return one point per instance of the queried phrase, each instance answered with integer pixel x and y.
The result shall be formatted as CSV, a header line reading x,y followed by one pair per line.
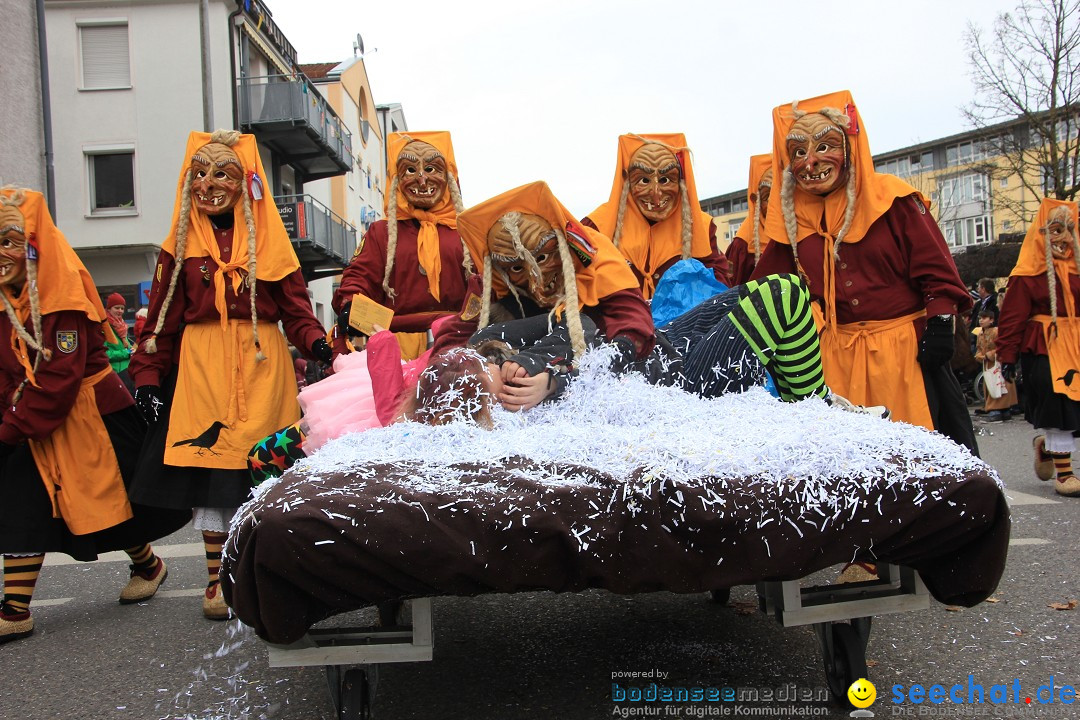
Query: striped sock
x,y
143,559
213,541
20,577
774,316
1062,465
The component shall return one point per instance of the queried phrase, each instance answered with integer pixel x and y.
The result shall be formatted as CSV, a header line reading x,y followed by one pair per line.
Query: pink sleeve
x,y
387,382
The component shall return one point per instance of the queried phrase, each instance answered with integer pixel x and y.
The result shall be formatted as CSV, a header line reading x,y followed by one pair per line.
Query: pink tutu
x,y
339,404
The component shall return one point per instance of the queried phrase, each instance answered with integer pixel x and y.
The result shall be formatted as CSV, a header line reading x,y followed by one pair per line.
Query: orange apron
x,y
865,362
1064,350
225,400
78,466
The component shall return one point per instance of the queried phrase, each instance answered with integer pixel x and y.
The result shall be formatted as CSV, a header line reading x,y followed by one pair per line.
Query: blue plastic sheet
x,y
683,287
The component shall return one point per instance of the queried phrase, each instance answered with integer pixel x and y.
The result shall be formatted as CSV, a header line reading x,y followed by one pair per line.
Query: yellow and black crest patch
x,y
359,246
157,275
67,340
472,307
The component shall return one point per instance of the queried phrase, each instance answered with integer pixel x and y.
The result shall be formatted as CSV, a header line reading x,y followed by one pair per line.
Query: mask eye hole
x,y
517,268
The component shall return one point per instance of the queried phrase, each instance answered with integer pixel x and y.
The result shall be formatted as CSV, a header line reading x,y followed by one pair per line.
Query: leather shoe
x,y
143,585
213,604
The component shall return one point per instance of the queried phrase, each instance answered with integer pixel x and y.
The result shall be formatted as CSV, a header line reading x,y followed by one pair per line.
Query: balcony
x,y
324,242
288,115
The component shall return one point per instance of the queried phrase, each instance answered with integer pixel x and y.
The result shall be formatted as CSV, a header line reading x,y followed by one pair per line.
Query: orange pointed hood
x,y
599,267
759,164
874,192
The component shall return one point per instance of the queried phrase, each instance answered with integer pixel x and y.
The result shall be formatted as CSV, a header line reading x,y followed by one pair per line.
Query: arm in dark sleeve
x,y
1015,311
546,348
738,255
147,369
931,268
297,317
717,261
776,259
456,331
364,273
45,405
387,381
625,314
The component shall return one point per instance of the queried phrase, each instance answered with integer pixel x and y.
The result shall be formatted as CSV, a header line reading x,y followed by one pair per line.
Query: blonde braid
x,y
513,290
687,220
459,207
510,221
249,220
849,211
756,235
181,248
391,239
485,300
620,215
787,207
1051,279
570,298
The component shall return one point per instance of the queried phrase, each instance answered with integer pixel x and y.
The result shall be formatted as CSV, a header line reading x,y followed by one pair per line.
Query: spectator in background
x,y
118,352
140,320
987,301
995,408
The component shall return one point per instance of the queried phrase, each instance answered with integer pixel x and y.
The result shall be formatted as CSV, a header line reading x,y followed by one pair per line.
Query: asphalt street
x,y
545,655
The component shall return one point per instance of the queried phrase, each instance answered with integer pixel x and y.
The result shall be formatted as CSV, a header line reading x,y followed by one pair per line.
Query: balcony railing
x,y
288,114
324,241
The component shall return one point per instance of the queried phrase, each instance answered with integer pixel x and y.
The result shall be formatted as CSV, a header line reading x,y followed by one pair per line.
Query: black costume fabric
x,y
26,522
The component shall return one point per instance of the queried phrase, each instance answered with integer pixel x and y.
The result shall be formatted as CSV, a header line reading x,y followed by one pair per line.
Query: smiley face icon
x,y
862,693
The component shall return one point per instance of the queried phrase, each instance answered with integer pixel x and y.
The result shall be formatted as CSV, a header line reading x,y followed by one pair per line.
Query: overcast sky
x,y
541,90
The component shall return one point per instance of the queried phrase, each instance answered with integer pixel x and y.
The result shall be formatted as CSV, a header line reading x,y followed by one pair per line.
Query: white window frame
x,y
89,152
101,22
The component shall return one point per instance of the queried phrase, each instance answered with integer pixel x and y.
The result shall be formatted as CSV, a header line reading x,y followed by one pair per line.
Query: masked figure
x,y
1039,328
70,433
539,264
745,248
653,216
413,262
213,372
874,260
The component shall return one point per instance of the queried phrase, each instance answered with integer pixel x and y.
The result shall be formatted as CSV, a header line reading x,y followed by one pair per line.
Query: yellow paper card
x,y
365,314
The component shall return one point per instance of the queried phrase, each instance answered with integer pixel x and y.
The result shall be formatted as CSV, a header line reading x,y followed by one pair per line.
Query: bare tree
x,y
1028,71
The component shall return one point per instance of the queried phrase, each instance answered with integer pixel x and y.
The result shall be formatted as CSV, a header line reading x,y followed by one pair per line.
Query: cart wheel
x,y
845,662
355,696
721,596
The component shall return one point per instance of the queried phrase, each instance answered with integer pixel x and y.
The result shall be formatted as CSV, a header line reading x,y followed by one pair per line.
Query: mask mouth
x,y
215,199
811,177
422,191
658,206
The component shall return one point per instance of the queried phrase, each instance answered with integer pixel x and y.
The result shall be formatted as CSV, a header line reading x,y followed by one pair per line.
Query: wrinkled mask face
x,y
1059,233
654,181
217,179
816,149
538,237
12,247
421,172
764,190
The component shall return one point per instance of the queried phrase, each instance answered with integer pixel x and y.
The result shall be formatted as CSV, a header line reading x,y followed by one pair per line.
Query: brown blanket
x,y
311,547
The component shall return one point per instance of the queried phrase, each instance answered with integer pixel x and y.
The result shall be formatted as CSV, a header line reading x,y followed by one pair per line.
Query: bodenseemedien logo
x,y
861,695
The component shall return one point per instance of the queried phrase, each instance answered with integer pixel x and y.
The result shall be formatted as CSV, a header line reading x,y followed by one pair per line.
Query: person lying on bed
x,y
538,260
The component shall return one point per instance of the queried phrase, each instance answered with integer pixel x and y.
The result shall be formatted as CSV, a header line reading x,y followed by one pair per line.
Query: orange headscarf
x,y
874,192
63,282
1032,259
275,257
758,165
650,246
606,272
443,213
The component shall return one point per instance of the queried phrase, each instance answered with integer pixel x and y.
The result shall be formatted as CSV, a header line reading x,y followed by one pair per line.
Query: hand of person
x,y
1008,371
322,352
343,322
148,402
938,341
521,392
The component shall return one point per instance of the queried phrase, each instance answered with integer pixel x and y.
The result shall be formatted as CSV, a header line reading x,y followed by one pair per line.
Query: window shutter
x,y
105,59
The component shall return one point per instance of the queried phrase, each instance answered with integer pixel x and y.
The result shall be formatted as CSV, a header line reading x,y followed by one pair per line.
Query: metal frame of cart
x,y
841,616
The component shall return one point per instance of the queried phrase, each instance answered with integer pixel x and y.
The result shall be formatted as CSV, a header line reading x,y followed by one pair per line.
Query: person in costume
x,y
213,373
745,249
1039,329
413,261
70,433
653,216
875,262
539,262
